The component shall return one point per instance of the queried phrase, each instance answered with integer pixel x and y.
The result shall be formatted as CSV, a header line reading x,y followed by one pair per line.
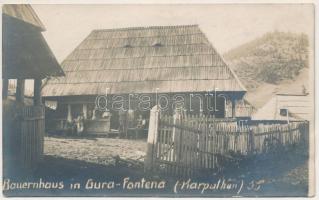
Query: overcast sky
x,y
226,26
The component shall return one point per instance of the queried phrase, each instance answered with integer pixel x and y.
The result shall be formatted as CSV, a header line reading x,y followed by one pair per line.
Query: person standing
x,y
80,124
140,126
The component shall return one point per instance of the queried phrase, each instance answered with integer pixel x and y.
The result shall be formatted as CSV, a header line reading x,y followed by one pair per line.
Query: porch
x,y
23,125
130,116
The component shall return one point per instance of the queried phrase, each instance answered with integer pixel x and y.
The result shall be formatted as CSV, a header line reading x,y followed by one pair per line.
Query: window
x,y
283,112
128,46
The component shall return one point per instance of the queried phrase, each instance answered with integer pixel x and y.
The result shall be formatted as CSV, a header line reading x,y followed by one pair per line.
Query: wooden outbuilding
x,y
286,107
25,55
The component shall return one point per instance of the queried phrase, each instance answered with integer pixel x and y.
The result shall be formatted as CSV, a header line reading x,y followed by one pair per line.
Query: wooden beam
x,y
37,92
233,107
69,117
5,87
85,111
20,90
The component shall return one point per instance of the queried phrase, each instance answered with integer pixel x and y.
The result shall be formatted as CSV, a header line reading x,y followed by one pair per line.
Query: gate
x,y
32,135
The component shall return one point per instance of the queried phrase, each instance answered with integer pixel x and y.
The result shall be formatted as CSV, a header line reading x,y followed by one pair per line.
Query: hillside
x,y
271,64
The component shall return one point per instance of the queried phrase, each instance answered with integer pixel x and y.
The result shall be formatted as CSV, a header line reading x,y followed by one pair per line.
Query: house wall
x,y
193,103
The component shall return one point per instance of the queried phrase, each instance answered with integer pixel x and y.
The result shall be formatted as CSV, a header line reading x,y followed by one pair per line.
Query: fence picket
x,y
187,144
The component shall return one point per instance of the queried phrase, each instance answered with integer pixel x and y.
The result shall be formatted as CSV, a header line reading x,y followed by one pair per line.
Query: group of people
x,y
126,121
78,125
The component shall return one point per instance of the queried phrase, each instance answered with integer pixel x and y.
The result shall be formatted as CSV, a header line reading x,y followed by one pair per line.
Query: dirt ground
x,y
79,159
95,150
278,174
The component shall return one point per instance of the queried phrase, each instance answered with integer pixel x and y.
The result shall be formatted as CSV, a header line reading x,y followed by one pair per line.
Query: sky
x,y
226,26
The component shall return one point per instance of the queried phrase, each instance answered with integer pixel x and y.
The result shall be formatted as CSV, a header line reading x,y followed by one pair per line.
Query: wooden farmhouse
x,y
25,55
153,61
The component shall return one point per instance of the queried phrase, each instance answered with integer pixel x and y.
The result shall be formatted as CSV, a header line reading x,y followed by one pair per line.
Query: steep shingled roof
x,y
25,53
143,60
23,12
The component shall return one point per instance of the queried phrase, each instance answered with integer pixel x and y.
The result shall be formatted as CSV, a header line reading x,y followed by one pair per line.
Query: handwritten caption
x,y
180,186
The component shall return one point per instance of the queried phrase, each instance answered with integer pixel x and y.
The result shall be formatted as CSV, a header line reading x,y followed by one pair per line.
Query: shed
x,y
286,106
25,55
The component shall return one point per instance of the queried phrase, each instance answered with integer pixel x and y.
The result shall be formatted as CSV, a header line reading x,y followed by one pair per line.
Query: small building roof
x,y
153,59
299,107
26,54
23,12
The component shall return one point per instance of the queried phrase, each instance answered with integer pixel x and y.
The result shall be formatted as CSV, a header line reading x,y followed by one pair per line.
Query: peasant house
x,y
126,71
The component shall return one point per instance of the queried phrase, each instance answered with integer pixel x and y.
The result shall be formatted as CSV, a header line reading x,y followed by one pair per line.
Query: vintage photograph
x,y
158,100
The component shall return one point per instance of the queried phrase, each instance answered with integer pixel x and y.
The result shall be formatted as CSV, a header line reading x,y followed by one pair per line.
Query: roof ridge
x,y
152,36
143,28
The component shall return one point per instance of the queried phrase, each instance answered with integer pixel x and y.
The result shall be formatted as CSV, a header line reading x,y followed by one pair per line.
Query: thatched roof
x,y
25,52
143,60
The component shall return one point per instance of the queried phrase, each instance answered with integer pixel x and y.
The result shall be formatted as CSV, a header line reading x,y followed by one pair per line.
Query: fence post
x,y
152,139
304,133
251,136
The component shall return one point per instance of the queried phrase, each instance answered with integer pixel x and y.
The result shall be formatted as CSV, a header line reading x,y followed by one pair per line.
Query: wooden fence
x,y
32,135
183,146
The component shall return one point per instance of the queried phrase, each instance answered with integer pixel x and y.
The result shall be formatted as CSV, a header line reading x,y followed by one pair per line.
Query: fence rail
x,y
183,146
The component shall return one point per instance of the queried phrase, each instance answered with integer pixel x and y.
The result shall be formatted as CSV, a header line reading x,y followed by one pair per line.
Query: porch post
x,y
37,92
69,117
20,91
233,107
5,86
85,111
